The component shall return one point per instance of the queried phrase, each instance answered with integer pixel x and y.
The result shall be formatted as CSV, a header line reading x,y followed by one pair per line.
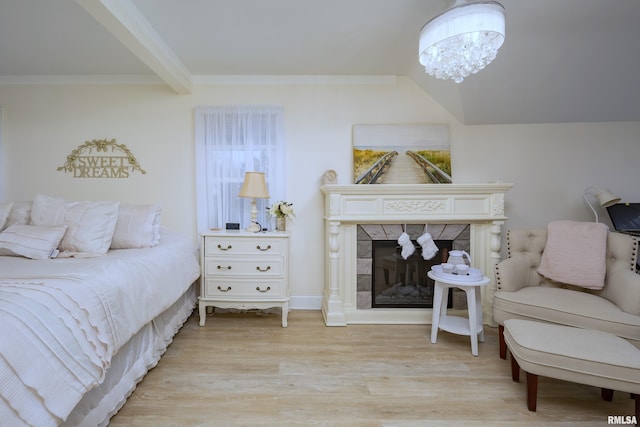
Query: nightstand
x,y
244,270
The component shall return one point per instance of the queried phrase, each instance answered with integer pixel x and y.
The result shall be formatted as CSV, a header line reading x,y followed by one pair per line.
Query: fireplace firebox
x,y
400,282
386,279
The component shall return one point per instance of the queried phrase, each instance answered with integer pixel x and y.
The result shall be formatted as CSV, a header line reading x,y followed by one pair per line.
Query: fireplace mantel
x,y
479,205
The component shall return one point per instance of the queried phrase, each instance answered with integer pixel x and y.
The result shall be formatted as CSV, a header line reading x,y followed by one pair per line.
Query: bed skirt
x,y
128,367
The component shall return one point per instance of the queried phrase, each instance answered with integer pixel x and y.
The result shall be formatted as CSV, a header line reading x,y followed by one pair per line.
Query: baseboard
x,y
305,302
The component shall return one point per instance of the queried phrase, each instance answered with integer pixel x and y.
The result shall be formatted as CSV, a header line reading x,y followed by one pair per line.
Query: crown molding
x,y
203,80
106,79
294,80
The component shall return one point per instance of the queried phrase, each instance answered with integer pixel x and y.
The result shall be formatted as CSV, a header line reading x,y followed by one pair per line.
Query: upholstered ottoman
x,y
572,354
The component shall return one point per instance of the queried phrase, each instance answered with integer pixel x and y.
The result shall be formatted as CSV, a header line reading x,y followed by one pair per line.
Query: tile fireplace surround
x,y
479,205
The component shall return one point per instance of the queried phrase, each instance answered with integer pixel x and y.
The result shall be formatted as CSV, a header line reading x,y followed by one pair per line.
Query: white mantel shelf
x,y
346,206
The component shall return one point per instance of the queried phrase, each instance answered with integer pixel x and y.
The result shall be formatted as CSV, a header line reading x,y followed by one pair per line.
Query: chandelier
x,y
462,40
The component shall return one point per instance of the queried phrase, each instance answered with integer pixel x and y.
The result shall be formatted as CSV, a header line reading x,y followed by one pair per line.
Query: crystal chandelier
x,y
462,40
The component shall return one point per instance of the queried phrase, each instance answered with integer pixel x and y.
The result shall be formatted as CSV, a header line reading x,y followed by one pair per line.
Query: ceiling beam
x,y
125,21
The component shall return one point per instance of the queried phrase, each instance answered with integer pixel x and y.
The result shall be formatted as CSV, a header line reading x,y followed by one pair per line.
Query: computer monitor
x,y
625,217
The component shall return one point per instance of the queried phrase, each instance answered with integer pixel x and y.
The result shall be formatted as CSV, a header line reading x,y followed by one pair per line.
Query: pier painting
x,y
401,154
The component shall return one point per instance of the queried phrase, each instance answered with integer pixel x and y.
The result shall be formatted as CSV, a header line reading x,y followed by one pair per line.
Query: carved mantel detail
x,y
334,201
498,204
414,206
346,206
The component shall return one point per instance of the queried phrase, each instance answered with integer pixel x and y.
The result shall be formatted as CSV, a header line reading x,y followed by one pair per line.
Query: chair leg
x,y
515,369
607,395
503,345
532,391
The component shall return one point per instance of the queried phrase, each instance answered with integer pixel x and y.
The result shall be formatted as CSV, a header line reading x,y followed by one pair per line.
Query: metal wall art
x,y
101,158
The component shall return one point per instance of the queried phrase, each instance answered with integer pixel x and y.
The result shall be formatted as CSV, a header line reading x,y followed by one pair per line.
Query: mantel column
x,y
495,247
332,308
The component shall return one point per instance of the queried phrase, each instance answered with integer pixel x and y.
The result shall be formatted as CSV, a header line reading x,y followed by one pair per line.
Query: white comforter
x,y
62,320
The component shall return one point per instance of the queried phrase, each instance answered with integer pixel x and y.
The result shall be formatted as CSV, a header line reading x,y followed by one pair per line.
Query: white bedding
x,y
63,320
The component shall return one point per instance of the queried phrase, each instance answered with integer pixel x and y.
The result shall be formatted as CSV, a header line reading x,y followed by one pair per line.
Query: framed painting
x,y
401,154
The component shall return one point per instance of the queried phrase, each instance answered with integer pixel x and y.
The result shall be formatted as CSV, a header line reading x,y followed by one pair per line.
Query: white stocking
x,y
407,247
429,248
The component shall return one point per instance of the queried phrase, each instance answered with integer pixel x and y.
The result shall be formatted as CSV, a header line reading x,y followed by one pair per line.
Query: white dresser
x,y
244,270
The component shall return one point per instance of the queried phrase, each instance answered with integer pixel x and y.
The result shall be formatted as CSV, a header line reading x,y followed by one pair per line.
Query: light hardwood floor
x,y
246,370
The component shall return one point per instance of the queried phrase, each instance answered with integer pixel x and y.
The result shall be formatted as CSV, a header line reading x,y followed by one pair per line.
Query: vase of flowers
x,y
281,211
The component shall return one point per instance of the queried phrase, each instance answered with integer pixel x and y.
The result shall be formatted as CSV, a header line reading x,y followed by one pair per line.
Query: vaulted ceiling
x,y
562,61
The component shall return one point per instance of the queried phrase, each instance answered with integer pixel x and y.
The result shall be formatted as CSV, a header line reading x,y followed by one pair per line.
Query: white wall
x,y
43,124
550,165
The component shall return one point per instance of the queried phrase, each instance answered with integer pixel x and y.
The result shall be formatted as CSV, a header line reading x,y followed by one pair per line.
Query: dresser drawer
x,y
264,266
243,246
233,288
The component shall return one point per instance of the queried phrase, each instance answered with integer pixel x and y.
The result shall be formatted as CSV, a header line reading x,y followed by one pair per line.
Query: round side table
x,y
458,325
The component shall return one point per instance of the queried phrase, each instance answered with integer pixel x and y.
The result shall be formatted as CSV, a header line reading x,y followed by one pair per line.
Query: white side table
x,y
458,325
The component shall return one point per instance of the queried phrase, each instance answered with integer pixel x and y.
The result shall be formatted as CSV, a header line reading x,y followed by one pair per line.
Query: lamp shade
x,y
254,186
604,197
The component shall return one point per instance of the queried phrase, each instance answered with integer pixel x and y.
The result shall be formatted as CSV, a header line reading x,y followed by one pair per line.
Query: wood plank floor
x,y
246,370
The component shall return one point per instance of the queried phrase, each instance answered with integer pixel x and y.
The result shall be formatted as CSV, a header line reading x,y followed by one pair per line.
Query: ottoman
x,y
582,356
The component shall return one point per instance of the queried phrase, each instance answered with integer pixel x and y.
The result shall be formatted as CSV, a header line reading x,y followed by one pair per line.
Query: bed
x,y
79,331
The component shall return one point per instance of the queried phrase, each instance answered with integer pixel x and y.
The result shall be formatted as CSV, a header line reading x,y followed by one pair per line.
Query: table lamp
x,y
254,187
604,197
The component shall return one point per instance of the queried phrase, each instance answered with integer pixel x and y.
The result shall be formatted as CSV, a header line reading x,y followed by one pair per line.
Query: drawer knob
x,y
263,249
224,290
224,249
224,267
266,290
263,269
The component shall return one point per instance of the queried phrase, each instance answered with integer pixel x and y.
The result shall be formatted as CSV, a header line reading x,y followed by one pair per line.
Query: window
x,y
232,140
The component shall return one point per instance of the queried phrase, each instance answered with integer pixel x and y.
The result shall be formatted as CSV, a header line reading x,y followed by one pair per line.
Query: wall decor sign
x,y
101,158
401,154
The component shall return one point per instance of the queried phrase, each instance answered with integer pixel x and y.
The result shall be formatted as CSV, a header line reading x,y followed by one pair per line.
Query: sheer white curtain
x,y
232,140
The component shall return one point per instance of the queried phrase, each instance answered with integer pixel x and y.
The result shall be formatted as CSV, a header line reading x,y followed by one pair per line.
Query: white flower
x,y
286,209
282,210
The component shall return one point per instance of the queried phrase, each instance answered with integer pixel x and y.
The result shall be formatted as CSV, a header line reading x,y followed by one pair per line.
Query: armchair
x,y
523,293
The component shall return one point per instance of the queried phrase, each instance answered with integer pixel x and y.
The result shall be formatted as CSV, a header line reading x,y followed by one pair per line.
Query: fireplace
x,y
444,209
386,279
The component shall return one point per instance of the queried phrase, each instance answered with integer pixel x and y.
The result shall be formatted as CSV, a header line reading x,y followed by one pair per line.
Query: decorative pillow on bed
x,y
48,210
138,226
31,241
90,225
5,210
20,214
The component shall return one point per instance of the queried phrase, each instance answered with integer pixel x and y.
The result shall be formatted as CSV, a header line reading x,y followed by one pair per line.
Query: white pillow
x,y
5,210
138,226
31,241
48,210
90,228
20,213
90,225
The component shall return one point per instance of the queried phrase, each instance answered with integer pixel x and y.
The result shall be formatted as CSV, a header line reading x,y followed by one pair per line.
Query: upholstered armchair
x,y
523,293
